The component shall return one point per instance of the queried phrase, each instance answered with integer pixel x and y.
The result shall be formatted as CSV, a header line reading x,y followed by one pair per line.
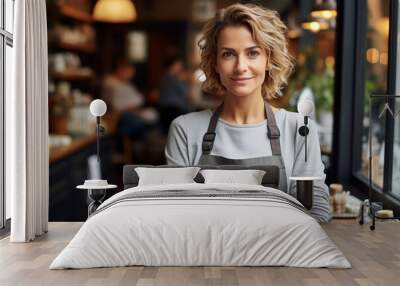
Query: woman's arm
x,y
313,167
176,149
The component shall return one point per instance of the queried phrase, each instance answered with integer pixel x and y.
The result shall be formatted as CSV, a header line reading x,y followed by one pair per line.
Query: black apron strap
x,y
209,136
272,131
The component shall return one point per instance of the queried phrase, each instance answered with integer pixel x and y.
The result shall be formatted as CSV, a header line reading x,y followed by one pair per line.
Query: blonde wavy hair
x,y
267,30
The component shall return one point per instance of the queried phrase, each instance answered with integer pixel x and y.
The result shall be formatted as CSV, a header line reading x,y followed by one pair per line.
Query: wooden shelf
x,y
109,121
75,14
74,75
58,153
85,48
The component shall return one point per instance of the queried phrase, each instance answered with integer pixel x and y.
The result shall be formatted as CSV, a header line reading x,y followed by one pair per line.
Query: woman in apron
x,y
245,59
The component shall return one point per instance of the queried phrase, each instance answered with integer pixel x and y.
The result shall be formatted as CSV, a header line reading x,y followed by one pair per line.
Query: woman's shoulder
x,y
290,115
193,119
293,120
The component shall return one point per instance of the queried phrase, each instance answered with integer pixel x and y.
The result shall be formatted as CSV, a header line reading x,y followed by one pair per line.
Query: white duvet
x,y
200,231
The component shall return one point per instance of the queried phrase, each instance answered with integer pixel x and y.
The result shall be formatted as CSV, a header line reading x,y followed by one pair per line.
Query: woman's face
x,y
241,62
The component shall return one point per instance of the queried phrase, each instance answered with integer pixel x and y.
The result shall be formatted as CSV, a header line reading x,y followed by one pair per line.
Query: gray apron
x,y
273,135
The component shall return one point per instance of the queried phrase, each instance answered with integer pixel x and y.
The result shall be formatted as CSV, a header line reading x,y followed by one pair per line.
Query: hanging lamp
x,y
325,10
114,11
314,25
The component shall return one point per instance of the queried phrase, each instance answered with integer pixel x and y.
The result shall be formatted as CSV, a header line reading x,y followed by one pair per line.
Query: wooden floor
x,y
375,257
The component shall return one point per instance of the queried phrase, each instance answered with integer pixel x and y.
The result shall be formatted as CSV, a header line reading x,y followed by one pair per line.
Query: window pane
x,y
375,83
396,142
396,151
9,15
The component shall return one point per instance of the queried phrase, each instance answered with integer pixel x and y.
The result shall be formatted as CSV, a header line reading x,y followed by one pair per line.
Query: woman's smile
x,y
241,79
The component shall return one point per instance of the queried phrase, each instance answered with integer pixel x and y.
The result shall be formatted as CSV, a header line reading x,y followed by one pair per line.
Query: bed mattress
x,y
201,225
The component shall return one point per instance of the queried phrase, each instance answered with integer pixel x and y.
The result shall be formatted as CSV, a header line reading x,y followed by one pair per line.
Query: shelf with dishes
x,y
78,38
72,76
78,74
60,150
63,145
68,66
86,48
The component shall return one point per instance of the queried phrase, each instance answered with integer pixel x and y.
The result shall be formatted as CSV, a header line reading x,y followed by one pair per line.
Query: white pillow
x,y
164,176
249,177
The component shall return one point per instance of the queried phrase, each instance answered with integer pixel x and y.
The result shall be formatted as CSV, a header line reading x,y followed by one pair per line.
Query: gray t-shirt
x,y
242,141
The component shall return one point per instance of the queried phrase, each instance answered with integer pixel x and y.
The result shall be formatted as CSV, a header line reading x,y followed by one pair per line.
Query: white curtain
x,y
27,164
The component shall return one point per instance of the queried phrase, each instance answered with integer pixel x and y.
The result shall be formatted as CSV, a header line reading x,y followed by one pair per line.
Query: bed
x,y
200,224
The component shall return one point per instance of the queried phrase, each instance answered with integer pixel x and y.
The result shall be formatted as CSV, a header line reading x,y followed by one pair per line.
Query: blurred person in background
x,y
125,99
174,92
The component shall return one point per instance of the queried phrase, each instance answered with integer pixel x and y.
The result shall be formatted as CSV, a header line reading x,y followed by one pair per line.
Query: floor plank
x,y
374,255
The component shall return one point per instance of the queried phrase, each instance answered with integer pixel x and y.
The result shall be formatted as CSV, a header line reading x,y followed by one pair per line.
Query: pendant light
x,y
114,11
314,25
325,10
